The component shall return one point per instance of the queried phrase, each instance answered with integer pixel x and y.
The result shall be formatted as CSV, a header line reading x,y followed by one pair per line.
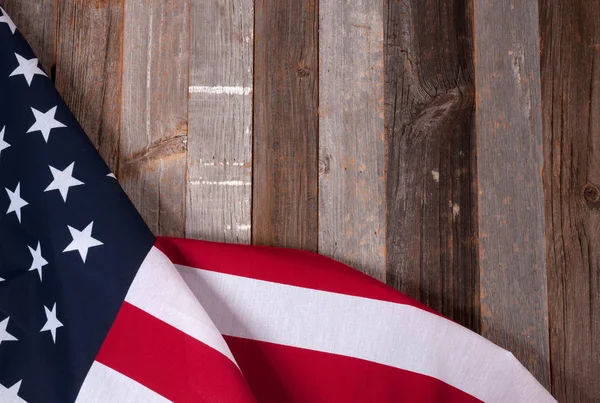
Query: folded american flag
x,y
94,308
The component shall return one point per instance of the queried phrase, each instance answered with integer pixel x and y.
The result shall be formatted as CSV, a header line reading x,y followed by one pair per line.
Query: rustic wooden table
x,y
449,148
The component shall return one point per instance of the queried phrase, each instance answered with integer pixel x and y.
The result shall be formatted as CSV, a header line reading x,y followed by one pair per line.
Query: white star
x,y
16,203
27,68
10,395
63,180
38,261
52,323
6,19
45,122
82,241
4,335
3,144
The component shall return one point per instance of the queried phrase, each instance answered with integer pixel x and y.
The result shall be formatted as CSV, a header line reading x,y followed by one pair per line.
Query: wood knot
x,y
324,165
591,193
302,72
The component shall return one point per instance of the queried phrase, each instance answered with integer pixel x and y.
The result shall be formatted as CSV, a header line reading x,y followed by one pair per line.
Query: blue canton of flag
x,y
70,240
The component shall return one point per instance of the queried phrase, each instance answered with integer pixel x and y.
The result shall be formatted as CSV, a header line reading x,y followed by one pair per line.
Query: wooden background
x,y
449,148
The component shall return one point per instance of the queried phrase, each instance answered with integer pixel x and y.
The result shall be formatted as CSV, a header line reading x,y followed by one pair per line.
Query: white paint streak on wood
x,y
220,138
435,175
455,210
221,183
201,89
351,140
225,164
240,227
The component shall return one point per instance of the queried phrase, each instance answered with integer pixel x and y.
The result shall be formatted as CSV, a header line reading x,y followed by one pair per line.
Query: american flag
x,y
94,308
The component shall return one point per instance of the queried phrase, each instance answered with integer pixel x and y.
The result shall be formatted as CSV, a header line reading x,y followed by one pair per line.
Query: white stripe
x,y
195,89
397,335
159,290
104,384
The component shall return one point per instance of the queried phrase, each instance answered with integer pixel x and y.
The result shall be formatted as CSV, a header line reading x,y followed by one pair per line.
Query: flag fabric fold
x,y
94,308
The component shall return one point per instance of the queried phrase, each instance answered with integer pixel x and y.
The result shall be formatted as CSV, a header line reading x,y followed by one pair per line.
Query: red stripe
x,y
169,361
285,266
279,373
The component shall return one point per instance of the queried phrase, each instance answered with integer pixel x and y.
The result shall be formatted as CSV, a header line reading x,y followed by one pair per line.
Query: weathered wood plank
x,y
429,130
219,187
153,146
351,139
571,119
88,73
286,124
510,198
36,20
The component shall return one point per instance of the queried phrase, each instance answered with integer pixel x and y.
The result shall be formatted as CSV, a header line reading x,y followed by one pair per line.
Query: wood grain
x,y
88,73
429,129
510,198
153,146
351,140
219,186
36,20
571,119
286,124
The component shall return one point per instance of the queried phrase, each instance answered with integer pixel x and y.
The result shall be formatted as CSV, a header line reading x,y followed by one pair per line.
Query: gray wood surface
x,y
510,198
219,179
429,131
154,120
88,72
351,134
286,124
570,35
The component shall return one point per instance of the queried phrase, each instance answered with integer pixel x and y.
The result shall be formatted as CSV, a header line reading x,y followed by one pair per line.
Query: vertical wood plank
x,y
429,130
286,124
571,119
351,139
219,186
36,20
510,198
88,73
153,146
